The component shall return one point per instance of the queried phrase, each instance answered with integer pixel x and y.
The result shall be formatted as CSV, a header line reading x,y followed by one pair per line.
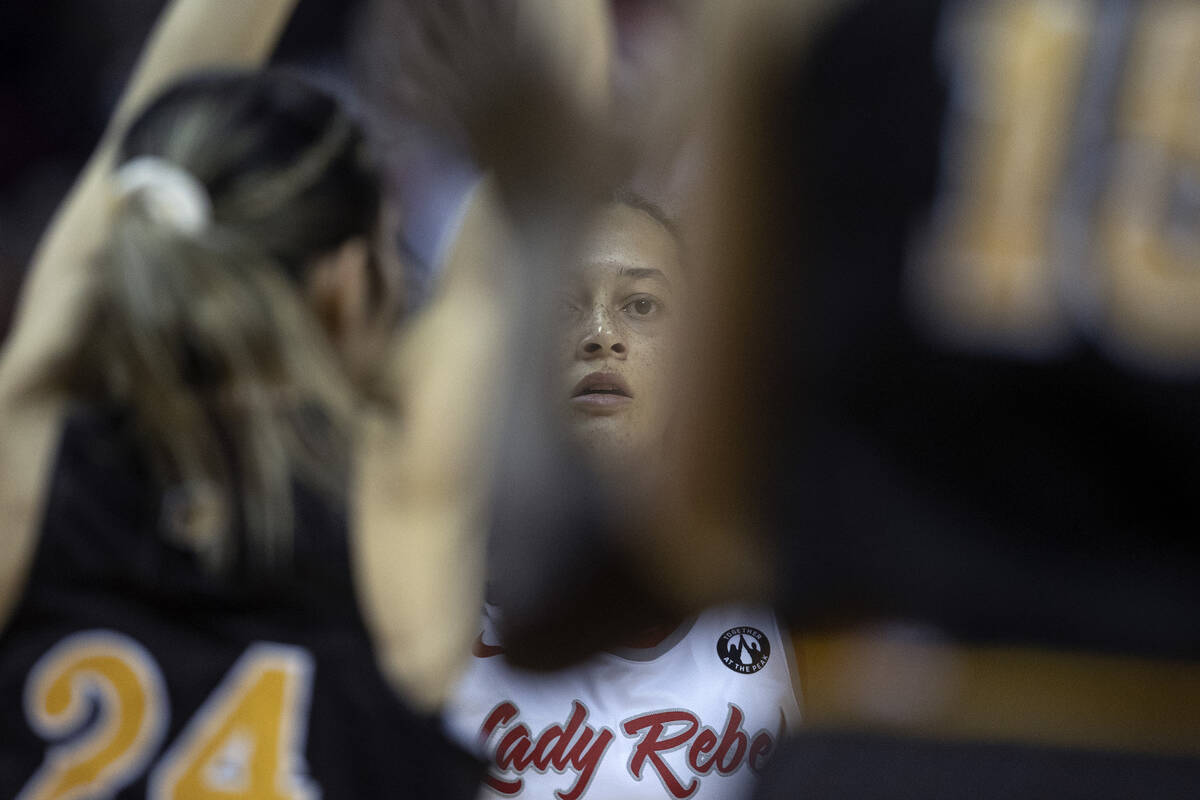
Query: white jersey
x,y
696,716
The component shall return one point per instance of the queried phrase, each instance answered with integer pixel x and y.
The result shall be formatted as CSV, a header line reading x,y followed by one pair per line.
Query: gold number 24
x,y
245,741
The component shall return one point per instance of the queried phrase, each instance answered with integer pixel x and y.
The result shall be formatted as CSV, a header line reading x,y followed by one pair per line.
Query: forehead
x,y
622,238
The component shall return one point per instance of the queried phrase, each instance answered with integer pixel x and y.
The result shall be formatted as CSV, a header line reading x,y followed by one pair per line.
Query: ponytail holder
x,y
170,194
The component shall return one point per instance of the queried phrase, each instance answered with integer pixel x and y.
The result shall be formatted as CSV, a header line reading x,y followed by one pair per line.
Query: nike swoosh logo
x,y
481,650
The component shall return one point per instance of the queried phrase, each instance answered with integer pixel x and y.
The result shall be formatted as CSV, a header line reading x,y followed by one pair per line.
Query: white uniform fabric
x,y
695,717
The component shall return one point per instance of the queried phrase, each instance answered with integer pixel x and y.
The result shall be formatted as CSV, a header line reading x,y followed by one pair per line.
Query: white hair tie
x,y
172,196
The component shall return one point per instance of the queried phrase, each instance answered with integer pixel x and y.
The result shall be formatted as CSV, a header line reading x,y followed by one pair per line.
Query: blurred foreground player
x,y
179,585
687,707
974,452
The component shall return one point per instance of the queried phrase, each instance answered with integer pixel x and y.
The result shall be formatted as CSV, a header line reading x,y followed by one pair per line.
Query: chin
x,y
605,436
601,427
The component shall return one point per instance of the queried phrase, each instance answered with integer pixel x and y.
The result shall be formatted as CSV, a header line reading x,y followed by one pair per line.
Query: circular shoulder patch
x,y
744,649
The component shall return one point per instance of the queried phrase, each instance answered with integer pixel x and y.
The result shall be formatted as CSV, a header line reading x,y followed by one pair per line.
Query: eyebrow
x,y
645,272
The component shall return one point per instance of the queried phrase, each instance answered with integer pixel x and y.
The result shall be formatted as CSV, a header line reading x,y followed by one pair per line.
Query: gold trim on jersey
x,y
893,679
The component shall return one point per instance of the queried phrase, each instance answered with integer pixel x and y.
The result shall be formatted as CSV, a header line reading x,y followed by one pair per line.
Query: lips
x,y
601,392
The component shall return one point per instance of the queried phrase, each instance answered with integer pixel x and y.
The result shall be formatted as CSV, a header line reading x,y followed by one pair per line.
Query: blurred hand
x,y
503,78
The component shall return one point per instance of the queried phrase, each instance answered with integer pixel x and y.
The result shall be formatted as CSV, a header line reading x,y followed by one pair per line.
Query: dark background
x,y
63,64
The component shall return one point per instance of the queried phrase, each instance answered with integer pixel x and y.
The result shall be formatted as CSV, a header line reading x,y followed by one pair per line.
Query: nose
x,y
602,338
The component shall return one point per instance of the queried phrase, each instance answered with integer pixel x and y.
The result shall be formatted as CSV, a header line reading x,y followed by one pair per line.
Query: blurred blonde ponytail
x,y
203,331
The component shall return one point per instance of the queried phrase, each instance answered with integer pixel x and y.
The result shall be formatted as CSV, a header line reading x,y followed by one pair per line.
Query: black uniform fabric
x,y
855,766
997,496
102,565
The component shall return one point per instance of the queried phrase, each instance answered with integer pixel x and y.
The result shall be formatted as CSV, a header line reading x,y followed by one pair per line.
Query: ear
x,y
337,287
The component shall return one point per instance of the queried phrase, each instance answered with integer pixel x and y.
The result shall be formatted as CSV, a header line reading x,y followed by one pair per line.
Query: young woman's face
x,y
621,309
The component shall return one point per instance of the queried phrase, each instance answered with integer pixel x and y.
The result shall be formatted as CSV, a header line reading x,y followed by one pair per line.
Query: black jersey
x,y
984,407
857,766
128,670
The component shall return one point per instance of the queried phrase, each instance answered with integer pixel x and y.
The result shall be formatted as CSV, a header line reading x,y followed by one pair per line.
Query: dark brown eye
x,y
643,307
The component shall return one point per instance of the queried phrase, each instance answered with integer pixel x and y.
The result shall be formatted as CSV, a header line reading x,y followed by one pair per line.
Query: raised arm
x,y
520,80
423,475
190,35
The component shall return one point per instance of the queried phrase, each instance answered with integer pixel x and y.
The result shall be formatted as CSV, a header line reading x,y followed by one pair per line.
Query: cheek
x,y
565,358
568,331
653,371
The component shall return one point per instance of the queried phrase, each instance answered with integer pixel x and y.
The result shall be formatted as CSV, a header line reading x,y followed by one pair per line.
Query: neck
x,y
650,636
